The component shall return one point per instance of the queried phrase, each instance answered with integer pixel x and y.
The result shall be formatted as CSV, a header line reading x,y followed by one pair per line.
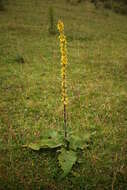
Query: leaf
x,y
78,141
34,146
50,140
51,134
67,159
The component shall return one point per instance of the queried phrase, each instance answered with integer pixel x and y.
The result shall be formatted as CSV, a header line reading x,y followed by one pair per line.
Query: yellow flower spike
x,y
60,26
63,50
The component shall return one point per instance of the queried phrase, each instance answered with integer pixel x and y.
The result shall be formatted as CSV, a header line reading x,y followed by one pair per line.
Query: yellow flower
x,y
60,26
63,49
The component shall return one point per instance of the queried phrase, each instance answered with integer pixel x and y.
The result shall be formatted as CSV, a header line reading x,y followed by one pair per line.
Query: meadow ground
x,y
30,94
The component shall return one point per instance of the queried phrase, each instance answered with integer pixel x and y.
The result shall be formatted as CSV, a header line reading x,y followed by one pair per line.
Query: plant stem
x,y
65,122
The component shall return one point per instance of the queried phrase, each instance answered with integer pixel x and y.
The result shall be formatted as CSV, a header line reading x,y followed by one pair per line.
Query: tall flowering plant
x,y
63,49
67,144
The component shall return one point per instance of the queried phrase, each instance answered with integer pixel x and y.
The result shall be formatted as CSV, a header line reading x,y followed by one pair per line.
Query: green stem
x,y
65,122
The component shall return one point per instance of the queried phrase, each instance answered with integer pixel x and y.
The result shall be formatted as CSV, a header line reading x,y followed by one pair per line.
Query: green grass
x,y
30,94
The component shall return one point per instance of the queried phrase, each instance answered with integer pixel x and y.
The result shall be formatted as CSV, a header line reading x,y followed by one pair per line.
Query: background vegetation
x,y
118,6
30,94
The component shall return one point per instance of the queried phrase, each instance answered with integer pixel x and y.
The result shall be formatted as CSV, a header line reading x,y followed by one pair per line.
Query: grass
x,y
30,95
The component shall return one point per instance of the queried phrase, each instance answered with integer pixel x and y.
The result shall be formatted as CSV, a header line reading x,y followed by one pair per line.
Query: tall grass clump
x,y
52,27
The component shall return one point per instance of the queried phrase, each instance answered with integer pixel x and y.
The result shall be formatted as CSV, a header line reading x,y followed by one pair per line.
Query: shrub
x,y
74,2
1,5
120,8
96,3
107,5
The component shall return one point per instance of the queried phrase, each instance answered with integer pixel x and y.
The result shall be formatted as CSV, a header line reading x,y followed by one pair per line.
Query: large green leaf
x,y
78,141
67,159
52,139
